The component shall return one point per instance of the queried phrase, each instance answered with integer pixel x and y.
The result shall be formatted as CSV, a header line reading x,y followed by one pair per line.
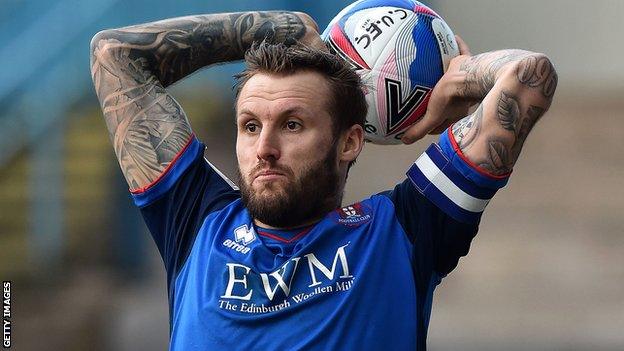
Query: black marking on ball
x,y
369,128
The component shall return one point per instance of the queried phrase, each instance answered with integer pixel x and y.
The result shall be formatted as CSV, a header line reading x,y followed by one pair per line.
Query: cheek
x,y
307,153
245,157
312,146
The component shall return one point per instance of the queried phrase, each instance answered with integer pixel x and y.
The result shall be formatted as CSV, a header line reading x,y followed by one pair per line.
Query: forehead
x,y
304,90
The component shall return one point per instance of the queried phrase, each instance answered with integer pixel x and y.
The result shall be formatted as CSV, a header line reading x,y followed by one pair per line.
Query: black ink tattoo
x,y
497,160
467,130
533,115
537,71
508,111
482,70
480,136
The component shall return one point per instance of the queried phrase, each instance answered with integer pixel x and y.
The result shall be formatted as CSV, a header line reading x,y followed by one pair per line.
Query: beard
x,y
298,201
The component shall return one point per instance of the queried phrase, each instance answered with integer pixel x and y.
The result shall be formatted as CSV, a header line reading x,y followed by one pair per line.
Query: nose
x,y
268,146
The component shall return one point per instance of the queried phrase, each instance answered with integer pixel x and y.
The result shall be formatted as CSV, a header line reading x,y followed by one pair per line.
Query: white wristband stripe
x,y
435,175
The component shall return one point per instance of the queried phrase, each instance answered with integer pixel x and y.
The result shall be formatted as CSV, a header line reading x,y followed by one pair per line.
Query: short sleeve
x,y
441,202
175,205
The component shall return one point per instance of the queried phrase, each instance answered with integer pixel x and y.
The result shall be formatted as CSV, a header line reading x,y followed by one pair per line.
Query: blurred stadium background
x,y
546,271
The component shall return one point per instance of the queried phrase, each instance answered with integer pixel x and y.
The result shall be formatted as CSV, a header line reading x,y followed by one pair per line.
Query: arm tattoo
x,y
497,160
538,72
508,111
519,86
132,66
467,130
284,28
500,153
500,159
533,115
483,69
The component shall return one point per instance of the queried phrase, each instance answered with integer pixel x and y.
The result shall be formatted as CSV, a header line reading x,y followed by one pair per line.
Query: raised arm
x,y
132,66
515,88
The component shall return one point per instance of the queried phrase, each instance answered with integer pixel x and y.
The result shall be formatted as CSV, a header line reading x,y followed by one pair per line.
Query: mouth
x,y
269,175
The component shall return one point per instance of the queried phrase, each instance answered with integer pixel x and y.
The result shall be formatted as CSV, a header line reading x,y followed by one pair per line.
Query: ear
x,y
351,144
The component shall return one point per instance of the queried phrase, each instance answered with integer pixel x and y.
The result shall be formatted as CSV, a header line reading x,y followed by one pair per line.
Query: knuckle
x,y
307,20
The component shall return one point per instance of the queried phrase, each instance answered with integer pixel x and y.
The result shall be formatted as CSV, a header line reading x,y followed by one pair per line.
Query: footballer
x,y
281,263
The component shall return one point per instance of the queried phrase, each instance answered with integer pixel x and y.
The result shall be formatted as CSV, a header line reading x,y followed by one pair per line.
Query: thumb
x,y
463,47
419,129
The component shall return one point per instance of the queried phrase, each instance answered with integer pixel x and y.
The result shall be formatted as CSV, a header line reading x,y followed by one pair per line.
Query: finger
x,y
441,128
319,44
420,128
308,20
463,47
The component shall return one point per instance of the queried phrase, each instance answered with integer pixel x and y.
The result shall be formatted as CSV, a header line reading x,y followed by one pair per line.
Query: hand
x,y
312,37
445,106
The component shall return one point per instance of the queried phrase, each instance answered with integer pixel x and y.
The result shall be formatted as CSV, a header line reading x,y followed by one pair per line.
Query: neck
x,y
304,224
307,222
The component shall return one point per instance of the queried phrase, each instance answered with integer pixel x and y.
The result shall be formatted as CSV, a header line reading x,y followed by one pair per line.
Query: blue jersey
x,y
362,278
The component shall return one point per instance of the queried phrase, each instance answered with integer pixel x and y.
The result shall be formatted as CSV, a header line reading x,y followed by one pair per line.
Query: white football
x,y
400,49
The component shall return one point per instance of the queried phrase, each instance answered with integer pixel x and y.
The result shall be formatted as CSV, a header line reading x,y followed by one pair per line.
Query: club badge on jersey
x,y
353,215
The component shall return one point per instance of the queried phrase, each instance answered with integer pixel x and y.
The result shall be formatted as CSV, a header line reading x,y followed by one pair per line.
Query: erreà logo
x,y
242,237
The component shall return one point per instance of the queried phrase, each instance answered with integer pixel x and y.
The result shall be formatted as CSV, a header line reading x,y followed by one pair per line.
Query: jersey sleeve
x,y
176,204
440,203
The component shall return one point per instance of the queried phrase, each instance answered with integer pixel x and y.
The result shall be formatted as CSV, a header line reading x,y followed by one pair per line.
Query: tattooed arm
x,y
132,66
515,88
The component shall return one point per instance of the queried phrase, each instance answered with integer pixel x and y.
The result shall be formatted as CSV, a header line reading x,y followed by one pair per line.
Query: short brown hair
x,y
347,104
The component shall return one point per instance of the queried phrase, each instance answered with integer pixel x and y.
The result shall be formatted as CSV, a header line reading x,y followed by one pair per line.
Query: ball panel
x,y
387,70
348,11
446,41
341,45
395,95
370,30
417,104
406,50
427,68
422,9
366,4
393,64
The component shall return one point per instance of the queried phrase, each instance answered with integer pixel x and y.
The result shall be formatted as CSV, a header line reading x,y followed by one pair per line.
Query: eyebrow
x,y
295,110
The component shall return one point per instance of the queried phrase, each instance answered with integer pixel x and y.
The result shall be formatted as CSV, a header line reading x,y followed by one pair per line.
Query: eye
x,y
251,127
293,126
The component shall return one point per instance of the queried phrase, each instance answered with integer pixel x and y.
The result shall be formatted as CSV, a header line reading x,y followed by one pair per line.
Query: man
x,y
280,264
